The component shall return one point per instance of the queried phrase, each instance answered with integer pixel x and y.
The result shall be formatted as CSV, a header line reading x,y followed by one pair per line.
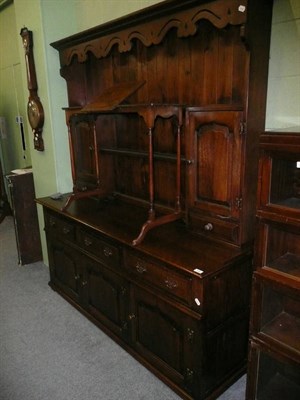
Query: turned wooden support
x,y
151,175
149,116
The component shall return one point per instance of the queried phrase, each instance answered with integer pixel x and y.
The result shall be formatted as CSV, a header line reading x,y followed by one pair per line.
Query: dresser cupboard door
x,y
65,269
106,296
214,147
167,337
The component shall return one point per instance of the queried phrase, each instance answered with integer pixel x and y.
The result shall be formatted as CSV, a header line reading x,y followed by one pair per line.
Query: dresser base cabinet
x,y
189,327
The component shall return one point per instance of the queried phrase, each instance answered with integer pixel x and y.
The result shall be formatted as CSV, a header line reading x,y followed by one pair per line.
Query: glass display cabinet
x,y
274,349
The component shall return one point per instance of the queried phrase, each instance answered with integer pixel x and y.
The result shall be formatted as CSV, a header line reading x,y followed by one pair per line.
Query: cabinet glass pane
x,y
277,380
283,250
285,182
280,319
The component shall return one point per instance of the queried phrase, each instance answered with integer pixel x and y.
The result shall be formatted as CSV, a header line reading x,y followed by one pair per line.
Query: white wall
x,y
91,13
12,101
283,101
58,20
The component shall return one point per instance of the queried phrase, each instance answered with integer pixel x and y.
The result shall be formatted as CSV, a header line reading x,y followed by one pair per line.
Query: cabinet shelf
x,y
276,319
288,264
143,154
149,111
291,202
284,329
112,97
279,387
83,133
279,250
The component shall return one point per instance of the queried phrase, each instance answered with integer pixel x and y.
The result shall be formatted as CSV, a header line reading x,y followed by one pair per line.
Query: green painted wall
x,y
95,12
12,102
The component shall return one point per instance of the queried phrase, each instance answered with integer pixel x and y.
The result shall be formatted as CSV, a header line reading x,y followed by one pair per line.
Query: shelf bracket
x,y
152,223
80,195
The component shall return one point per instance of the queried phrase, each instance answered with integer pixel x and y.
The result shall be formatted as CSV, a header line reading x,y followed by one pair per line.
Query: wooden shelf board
x,y
122,221
285,328
291,202
288,265
279,387
112,97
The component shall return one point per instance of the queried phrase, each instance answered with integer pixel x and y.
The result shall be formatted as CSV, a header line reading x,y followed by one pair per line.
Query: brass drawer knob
x,y
52,222
107,252
87,242
208,227
123,291
141,269
171,284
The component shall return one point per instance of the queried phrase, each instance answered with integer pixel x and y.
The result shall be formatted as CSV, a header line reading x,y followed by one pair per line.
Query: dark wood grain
x,y
165,178
24,211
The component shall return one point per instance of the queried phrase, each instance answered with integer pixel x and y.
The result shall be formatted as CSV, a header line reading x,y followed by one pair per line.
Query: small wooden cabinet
x,y
4,204
214,182
274,352
154,244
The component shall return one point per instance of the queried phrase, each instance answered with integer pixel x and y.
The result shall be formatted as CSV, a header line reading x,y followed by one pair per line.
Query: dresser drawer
x,y
159,275
106,252
214,228
59,227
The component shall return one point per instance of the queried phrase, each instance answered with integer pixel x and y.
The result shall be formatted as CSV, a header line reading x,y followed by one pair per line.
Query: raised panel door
x,y
106,296
214,146
168,338
65,269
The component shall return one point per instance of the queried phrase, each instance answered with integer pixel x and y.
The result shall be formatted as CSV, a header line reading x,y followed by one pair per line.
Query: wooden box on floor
x,y
22,195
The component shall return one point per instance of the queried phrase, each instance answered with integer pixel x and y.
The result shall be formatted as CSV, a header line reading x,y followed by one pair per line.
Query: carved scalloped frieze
x,y
219,13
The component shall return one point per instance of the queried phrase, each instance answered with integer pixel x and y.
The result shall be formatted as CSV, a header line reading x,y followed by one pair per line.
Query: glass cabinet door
x,y
276,377
279,174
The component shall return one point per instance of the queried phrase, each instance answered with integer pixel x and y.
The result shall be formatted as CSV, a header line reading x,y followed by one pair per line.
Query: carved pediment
x,y
99,41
